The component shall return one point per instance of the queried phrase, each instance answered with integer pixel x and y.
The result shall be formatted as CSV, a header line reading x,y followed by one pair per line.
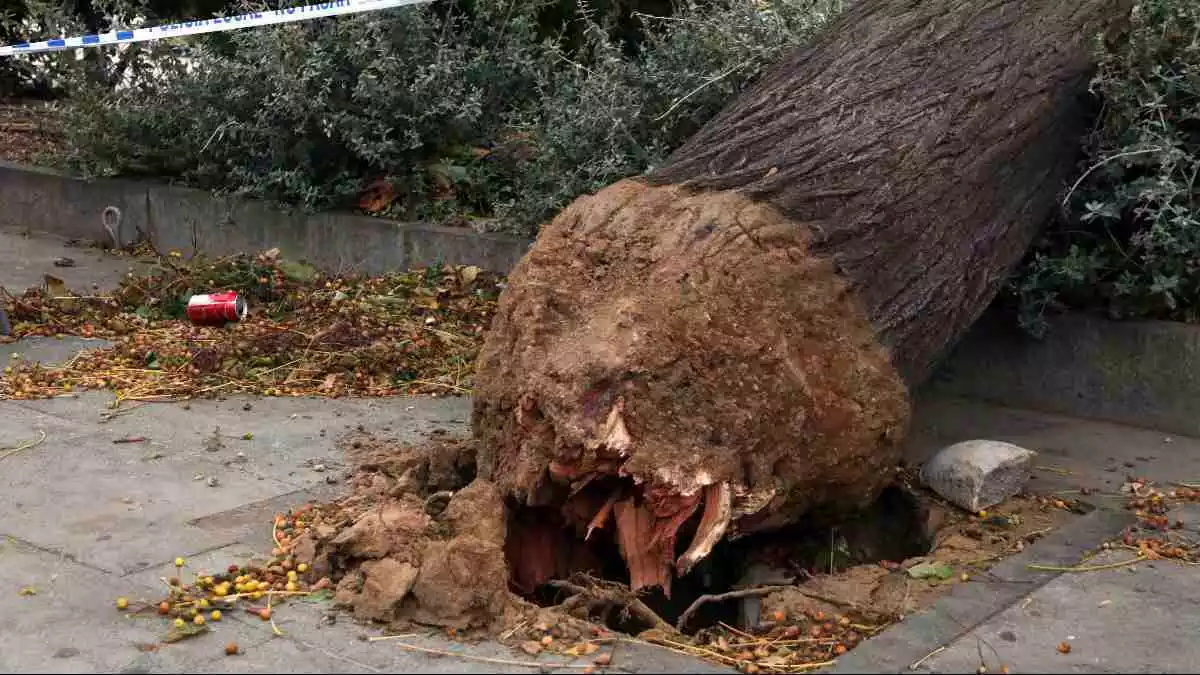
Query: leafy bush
x,y
1129,242
503,111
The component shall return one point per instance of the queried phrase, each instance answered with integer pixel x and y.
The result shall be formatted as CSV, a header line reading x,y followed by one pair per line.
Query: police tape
x,y
215,25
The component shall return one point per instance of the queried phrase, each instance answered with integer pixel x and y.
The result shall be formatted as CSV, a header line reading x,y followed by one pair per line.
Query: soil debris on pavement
x,y
1156,536
307,333
421,542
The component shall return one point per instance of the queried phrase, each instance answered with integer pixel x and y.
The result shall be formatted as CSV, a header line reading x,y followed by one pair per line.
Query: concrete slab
x,y
1110,624
71,624
47,350
973,603
26,258
114,505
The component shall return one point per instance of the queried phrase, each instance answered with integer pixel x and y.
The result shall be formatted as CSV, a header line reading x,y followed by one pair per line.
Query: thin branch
x,y
711,80
721,597
1106,160
633,604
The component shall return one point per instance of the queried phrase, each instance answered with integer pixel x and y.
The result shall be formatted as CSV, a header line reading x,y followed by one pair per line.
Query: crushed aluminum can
x,y
212,309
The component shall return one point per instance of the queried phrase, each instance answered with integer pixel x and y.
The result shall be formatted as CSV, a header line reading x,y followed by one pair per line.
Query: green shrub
x,y
489,110
1129,241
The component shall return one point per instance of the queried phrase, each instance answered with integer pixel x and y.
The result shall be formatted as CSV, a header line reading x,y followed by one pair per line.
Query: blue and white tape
x,y
215,25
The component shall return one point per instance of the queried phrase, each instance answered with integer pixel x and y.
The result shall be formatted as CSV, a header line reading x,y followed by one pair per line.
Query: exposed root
x,y
601,518
614,594
714,523
721,597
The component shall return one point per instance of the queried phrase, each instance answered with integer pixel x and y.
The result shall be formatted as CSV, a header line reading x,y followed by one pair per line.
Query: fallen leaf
x,y
27,590
55,287
468,274
930,570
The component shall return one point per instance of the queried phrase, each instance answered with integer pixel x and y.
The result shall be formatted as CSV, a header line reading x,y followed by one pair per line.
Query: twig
x,y
917,664
1085,568
711,80
692,650
1054,469
631,603
801,667
721,597
431,383
1097,165
23,446
274,628
484,659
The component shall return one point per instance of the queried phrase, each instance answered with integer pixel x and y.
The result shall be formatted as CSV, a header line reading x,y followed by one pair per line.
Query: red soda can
x,y
210,309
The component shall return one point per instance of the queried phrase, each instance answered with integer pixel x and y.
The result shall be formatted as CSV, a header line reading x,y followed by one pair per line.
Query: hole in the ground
x,y
549,560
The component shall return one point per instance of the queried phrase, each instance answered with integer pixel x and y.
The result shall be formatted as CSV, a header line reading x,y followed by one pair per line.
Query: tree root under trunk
x,y
612,595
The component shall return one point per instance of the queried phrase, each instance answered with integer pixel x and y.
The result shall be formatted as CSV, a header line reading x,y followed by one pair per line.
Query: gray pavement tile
x,y
47,350
970,604
111,506
71,624
1110,626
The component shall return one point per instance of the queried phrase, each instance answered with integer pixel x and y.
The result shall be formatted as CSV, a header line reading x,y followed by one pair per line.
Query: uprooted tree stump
x,y
725,345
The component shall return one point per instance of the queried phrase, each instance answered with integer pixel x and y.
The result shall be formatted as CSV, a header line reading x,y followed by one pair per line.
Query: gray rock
x,y
758,574
978,474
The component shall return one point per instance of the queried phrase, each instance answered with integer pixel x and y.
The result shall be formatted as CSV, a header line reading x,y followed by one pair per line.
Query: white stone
x,y
978,474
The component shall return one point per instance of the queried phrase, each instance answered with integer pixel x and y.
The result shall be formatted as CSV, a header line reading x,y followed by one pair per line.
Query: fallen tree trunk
x,y
728,342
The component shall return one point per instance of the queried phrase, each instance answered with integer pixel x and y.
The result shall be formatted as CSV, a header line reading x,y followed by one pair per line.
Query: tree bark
x,y
725,345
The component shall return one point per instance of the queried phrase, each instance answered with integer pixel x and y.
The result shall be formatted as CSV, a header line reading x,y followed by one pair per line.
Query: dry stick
x,y
483,659
23,446
917,664
1085,568
1101,163
731,595
632,603
711,80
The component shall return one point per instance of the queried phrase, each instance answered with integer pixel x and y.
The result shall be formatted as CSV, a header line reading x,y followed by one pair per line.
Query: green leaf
x,y
931,570
152,361
297,271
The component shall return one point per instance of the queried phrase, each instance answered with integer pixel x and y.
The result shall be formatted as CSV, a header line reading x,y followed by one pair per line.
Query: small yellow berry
x,y
983,514
203,603
179,562
198,620
303,567
180,623
216,615
257,595
122,603
291,575
291,586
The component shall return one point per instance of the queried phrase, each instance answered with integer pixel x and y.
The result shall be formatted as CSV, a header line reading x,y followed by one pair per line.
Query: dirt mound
x,y
415,541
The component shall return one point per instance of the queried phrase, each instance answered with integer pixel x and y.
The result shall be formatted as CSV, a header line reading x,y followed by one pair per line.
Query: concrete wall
x,y
194,221
1141,373
1144,373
